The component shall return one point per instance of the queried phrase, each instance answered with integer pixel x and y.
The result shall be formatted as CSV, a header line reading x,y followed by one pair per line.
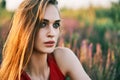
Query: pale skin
x,y
38,68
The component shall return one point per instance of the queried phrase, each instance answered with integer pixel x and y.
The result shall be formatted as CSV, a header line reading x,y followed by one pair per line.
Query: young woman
x,y
30,51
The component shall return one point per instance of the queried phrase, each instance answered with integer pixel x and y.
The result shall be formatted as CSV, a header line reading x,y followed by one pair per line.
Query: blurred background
x,y
91,29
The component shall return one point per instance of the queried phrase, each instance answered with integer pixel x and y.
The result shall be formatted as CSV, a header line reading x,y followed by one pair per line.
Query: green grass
x,y
4,15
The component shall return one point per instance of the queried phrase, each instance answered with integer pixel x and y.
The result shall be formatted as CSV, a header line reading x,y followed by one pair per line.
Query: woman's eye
x,y
43,24
56,25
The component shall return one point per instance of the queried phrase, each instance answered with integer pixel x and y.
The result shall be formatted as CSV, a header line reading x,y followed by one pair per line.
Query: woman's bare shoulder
x,y
69,64
63,53
63,57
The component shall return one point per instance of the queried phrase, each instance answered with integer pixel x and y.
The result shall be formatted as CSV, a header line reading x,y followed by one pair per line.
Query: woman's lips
x,y
49,43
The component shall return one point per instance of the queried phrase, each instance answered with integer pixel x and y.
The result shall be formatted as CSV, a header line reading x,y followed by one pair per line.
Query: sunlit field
x,y
93,34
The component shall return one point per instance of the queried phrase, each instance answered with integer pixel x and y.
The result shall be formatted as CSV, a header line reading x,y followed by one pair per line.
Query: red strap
x,y
55,73
24,76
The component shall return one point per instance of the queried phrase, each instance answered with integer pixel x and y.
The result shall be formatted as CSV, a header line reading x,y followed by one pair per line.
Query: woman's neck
x,y
38,67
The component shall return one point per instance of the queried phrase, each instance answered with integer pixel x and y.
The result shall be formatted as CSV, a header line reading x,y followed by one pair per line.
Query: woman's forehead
x,y
51,13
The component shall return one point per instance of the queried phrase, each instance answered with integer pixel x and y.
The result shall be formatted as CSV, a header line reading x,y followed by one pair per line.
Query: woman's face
x,y
48,34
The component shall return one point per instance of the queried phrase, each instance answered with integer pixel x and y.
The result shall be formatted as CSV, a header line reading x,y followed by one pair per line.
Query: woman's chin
x,y
48,50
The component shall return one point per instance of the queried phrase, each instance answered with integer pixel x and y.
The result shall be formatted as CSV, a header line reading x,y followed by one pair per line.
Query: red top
x,y
55,73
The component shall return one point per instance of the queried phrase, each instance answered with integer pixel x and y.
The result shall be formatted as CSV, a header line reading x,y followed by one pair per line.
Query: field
x,y
92,34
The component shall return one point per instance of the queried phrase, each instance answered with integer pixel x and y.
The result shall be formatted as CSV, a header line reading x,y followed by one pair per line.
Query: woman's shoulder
x,y
64,58
63,53
69,64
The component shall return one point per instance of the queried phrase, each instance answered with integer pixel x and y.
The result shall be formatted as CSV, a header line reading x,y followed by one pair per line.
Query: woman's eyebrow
x,y
57,20
46,20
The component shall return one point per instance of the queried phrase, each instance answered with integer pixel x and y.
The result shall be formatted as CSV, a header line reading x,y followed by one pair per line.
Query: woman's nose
x,y
51,31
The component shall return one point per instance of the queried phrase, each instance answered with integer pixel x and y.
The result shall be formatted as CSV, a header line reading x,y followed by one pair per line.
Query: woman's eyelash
x,y
56,25
43,24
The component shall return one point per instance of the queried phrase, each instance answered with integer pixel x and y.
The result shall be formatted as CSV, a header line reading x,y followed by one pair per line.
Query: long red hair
x,y
20,41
